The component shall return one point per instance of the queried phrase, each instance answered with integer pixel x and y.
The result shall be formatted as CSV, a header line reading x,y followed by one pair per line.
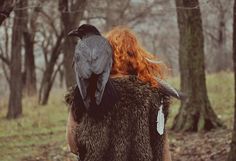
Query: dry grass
x,y
40,133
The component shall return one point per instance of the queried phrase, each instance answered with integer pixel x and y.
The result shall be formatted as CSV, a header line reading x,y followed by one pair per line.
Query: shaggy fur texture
x,y
125,132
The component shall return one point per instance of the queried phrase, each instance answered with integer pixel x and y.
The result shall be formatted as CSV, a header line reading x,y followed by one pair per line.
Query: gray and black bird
x,y
93,60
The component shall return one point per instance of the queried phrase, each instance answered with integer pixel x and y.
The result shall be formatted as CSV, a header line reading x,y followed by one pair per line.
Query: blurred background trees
x,y
40,54
29,30
6,6
194,38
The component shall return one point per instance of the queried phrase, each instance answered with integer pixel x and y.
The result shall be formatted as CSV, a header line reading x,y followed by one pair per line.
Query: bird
x,y
92,65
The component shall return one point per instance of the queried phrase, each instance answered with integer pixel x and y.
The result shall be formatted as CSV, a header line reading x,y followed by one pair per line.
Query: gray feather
x,y
93,55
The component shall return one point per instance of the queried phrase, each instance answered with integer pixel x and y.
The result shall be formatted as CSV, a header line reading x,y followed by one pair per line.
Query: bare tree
x,y
71,15
15,99
126,12
217,32
51,46
5,55
49,74
29,42
232,153
6,6
195,112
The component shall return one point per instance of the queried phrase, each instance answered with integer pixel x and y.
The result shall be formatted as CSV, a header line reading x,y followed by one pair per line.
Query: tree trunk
x,y
46,87
232,153
61,77
70,20
112,17
15,99
195,112
30,88
68,50
30,74
220,59
6,6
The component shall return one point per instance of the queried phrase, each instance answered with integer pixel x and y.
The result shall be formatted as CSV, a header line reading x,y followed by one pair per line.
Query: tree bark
x,y
232,153
195,112
15,99
71,14
61,77
6,6
29,81
30,74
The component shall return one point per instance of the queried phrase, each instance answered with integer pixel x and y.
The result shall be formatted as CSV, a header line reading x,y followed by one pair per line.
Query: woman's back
x,y
125,132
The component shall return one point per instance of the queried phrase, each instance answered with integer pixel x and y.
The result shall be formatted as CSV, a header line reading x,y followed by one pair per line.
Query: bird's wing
x,y
102,56
102,80
82,67
92,56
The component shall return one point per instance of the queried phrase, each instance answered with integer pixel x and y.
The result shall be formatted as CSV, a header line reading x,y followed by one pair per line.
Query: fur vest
x,y
124,132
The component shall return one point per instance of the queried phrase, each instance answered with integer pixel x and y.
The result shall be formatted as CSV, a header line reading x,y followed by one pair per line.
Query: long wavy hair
x,y
130,58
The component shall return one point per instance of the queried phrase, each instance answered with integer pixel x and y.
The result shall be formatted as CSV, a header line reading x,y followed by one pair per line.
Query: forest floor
x,y
39,135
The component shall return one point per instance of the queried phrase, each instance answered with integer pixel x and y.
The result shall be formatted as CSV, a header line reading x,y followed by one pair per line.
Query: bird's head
x,y
84,31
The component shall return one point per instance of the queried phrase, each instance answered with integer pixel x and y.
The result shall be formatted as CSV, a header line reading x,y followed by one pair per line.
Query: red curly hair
x,y
130,58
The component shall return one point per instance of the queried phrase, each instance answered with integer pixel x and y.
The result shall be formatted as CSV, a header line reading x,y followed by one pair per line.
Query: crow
x,y
93,60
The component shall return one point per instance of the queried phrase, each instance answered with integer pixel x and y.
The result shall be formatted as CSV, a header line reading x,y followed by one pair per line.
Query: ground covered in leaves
x,y
39,135
211,146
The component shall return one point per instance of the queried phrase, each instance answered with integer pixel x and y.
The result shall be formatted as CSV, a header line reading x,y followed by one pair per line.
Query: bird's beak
x,y
73,33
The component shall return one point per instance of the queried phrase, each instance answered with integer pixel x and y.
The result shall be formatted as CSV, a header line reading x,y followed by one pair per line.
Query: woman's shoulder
x,y
132,86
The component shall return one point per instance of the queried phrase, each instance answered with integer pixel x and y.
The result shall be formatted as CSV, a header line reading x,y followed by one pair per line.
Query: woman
x,y
129,59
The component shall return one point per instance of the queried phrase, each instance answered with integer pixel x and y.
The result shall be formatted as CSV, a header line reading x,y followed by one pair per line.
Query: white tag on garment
x,y
160,120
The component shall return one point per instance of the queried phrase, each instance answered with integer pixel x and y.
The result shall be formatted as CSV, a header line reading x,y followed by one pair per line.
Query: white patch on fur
x,y
160,120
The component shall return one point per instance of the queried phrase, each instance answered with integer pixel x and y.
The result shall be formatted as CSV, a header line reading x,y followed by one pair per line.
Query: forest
x,y
194,39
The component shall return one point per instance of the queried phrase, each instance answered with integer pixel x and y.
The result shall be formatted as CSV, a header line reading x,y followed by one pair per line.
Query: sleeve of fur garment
x,y
71,134
166,150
